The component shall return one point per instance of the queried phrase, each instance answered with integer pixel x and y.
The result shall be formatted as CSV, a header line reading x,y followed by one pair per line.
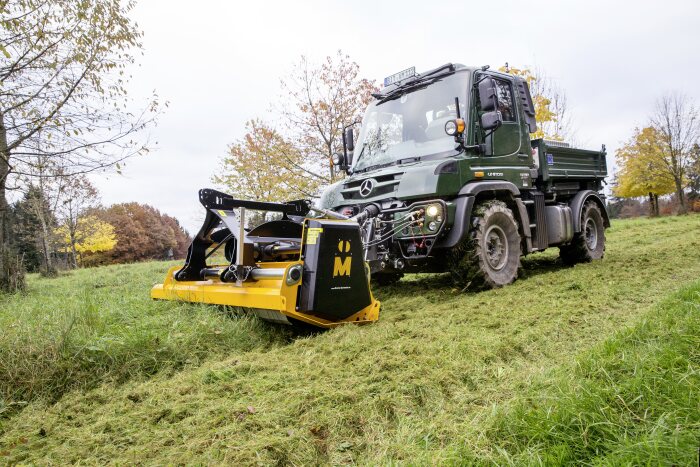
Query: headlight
x,y
454,127
432,226
451,128
432,210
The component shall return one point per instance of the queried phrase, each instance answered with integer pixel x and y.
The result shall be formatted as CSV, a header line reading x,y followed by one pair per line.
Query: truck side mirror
x,y
491,120
487,94
348,138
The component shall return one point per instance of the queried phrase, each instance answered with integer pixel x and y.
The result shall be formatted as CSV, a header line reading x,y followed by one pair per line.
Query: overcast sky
x,y
219,63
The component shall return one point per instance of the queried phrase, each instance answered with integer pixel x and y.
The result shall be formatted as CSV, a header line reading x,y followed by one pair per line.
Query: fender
x,y
576,205
474,188
465,202
460,226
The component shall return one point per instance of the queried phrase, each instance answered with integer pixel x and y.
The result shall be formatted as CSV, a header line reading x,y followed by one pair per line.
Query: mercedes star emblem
x,y
366,187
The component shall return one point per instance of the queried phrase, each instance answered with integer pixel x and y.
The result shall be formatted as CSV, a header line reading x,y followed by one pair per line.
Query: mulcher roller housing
x,y
291,269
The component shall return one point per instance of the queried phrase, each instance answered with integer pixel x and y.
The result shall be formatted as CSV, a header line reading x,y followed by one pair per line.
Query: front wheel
x,y
490,257
589,244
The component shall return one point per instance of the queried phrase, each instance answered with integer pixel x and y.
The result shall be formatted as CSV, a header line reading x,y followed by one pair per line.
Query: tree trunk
x,y
46,249
681,198
74,252
656,205
652,206
4,228
331,169
11,265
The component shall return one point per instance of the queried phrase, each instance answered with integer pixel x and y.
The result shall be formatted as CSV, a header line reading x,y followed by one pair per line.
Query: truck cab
x,y
444,177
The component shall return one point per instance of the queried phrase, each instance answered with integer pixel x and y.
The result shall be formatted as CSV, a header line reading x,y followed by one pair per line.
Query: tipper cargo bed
x,y
558,161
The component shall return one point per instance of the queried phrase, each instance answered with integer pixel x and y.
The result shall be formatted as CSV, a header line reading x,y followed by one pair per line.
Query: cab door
x,y
505,141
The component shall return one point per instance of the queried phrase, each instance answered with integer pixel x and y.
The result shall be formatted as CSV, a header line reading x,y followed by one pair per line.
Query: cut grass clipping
x,y
93,371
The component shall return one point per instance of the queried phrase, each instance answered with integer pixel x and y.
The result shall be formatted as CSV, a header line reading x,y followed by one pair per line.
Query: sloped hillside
x,y
93,371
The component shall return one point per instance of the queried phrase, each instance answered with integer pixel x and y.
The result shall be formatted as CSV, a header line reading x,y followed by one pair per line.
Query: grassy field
x,y
596,364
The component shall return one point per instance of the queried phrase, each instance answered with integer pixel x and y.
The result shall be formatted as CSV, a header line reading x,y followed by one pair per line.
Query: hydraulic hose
x,y
329,213
371,210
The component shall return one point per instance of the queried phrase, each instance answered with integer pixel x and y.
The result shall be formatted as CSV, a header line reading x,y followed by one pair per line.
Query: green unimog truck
x,y
443,176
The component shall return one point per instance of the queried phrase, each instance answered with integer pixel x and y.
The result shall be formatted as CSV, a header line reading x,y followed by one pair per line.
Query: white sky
x,y
219,63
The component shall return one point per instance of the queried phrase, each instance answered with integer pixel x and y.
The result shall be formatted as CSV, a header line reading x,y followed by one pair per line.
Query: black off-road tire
x,y
490,256
386,279
589,244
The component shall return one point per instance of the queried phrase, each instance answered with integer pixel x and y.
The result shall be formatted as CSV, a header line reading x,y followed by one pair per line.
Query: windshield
x,y
412,125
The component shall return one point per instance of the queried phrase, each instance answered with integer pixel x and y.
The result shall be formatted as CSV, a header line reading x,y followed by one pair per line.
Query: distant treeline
x,y
120,233
142,233
624,208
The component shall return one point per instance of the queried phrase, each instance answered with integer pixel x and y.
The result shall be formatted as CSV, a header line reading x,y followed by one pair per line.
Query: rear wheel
x,y
589,244
490,257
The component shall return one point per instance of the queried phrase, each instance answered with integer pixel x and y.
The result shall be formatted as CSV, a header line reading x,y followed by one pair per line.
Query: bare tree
x,y
694,176
76,197
63,69
562,125
551,106
677,120
43,185
318,102
41,195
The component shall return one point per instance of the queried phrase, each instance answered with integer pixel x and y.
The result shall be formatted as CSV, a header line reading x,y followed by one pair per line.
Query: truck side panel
x,y
570,164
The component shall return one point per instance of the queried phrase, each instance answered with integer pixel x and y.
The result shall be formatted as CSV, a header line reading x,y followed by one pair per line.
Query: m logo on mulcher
x,y
341,266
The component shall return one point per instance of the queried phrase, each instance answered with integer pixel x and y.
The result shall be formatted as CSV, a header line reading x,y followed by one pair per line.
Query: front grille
x,y
383,185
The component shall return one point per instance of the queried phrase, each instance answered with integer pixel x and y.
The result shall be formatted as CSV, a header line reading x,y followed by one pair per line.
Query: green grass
x,y
97,325
633,400
443,377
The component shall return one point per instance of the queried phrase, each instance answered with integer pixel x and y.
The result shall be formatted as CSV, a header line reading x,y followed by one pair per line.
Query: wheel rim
x,y
496,247
591,234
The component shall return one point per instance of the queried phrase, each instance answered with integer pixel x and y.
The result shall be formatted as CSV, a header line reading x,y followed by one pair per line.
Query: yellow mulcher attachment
x,y
295,268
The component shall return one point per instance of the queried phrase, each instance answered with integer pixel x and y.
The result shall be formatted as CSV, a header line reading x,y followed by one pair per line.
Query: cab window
x,y
505,100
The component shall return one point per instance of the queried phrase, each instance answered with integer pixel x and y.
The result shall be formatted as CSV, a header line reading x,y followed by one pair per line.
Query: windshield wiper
x,y
375,167
405,160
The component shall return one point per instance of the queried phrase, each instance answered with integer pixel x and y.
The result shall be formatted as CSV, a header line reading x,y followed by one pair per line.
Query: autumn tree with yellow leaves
x,y
643,171
89,235
78,195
